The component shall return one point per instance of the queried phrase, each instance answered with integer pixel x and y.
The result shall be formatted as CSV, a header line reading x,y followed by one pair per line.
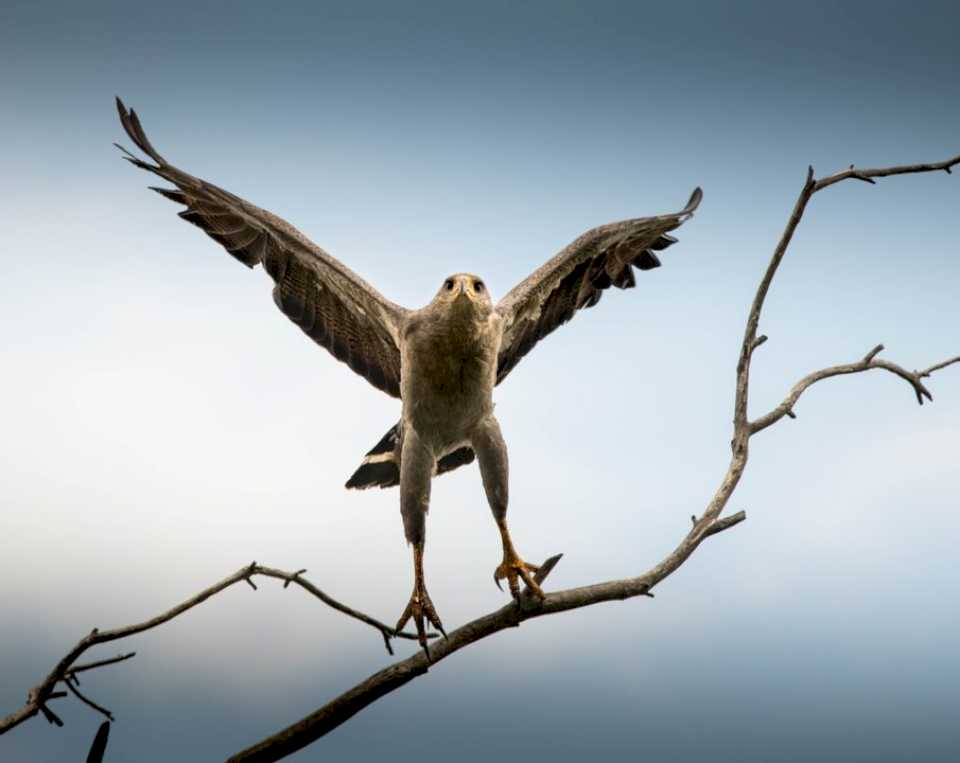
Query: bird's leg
x,y
420,607
513,568
416,469
491,451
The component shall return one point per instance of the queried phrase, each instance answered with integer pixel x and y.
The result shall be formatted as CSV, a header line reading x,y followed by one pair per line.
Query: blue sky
x,y
165,424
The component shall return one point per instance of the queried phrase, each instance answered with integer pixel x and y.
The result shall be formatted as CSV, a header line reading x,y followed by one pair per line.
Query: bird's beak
x,y
463,291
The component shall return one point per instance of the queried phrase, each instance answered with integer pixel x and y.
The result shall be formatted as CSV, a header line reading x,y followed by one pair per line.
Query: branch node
x,y
790,413
868,358
386,642
725,524
293,577
51,716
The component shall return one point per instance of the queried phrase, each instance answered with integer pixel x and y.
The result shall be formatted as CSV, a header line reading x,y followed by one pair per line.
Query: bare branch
x,y
51,716
65,669
868,363
749,343
98,664
867,175
926,372
348,704
750,340
306,585
86,700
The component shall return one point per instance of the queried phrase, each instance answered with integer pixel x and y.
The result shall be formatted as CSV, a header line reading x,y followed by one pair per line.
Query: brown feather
x,y
330,303
577,277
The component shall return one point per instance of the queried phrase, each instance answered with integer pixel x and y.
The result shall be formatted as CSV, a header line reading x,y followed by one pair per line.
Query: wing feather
x,y
329,302
576,278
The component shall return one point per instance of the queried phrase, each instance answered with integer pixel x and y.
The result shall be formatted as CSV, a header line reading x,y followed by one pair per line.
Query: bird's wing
x,y
576,278
332,304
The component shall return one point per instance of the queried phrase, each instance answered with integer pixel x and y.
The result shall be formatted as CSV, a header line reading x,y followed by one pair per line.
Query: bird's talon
x,y
514,569
421,609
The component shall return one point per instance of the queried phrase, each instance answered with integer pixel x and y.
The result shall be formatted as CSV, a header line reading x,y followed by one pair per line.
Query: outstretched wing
x,y
332,304
576,278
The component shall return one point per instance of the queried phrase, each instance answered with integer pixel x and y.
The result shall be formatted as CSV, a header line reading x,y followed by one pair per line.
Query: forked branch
x,y
709,523
66,671
868,362
810,187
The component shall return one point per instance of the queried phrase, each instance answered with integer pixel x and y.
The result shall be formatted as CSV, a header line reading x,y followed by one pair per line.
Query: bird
x,y
442,361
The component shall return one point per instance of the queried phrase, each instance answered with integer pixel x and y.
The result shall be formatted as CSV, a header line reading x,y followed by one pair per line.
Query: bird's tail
x,y
381,465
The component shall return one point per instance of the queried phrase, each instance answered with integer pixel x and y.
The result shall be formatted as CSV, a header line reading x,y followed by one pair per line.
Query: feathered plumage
x,y
442,360
328,301
576,278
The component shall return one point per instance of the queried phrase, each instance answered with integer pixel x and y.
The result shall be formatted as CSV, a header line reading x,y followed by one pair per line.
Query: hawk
x,y
442,360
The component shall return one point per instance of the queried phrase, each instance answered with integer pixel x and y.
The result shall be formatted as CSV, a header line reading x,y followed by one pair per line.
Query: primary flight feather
x,y
442,360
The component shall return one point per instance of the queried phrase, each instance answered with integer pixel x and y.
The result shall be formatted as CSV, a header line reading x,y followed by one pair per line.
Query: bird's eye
x,y
478,286
448,284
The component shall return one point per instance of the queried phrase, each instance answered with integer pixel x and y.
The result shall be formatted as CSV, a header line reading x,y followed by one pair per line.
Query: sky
x,y
164,424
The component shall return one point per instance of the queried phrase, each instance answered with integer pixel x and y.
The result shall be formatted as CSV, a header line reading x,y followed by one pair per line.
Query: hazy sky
x,y
164,424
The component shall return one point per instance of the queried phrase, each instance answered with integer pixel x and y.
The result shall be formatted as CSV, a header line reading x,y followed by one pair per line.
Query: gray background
x,y
164,424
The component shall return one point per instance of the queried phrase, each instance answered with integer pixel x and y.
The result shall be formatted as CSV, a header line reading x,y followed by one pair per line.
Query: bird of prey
x,y
442,360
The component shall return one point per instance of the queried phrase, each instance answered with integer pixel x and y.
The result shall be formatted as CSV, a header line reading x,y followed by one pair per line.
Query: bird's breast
x,y
447,376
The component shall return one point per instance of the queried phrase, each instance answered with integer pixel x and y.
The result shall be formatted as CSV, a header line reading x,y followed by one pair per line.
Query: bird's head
x,y
464,291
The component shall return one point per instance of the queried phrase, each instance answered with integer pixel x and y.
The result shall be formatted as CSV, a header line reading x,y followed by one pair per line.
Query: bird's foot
x,y
420,608
514,569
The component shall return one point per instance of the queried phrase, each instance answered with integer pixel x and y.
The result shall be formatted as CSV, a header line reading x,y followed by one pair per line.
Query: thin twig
x,y
100,663
87,701
903,169
927,371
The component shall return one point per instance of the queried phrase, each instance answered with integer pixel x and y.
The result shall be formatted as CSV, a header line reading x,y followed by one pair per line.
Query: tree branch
x,y
926,372
742,428
867,363
903,169
98,664
86,700
65,670
339,710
